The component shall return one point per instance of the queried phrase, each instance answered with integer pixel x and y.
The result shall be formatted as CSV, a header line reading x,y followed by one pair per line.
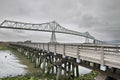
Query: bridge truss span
x,y
52,26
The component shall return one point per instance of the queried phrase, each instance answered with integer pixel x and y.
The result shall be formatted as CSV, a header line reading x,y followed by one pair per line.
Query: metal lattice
x,y
47,27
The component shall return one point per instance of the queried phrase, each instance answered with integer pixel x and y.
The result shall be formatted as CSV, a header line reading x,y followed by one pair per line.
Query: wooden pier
x,y
55,58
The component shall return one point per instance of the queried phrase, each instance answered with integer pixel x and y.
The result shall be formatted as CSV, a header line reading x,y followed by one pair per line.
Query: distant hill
x,y
114,41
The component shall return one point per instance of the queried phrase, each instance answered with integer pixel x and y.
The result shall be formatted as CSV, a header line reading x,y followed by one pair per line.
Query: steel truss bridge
x,y
101,56
52,26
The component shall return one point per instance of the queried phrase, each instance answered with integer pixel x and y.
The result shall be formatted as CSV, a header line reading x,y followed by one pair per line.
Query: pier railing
x,y
101,54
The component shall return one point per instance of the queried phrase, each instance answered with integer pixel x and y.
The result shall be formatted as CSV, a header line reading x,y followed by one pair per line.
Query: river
x,y
11,65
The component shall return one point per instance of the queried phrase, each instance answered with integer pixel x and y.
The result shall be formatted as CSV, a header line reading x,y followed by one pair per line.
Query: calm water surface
x,y
10,65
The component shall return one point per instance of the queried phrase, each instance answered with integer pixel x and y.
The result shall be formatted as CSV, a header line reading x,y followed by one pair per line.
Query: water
x,y
82,70
9,65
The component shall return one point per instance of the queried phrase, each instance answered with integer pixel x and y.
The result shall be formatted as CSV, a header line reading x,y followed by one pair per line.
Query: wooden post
x,y
52,64
77,69
102,67
69,66
48,67
48,47
78,54
33,57
43,47
39,62
43,67
102,56
29,55
36,62
64,51
73,71
55,49
65,68
58,73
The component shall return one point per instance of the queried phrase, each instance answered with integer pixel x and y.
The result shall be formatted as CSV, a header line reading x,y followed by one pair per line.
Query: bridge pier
x,y
73,70
39,63
64,69
52,60
53,37
77,70
58,73
59,64
76,67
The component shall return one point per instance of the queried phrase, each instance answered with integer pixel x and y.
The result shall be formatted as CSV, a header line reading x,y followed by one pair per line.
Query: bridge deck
x,y
108,55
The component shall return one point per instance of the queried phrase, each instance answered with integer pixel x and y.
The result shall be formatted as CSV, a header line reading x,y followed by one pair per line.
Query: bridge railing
x,y
101,54
75,50
66,48
107,48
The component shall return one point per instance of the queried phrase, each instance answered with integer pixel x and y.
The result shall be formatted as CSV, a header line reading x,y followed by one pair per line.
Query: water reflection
x,y
9,64
82,70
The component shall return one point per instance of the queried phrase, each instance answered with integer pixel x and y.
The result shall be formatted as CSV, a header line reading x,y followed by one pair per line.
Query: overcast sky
x,y
101,18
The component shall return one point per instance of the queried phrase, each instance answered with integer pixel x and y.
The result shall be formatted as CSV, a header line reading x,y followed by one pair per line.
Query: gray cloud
x,y
99,17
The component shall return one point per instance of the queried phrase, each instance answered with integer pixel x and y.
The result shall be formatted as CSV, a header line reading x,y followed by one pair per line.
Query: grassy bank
x,y
89,76
23,60
3,45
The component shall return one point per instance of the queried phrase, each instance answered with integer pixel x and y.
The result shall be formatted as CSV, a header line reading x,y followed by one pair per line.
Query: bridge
x,y
54,57
52,26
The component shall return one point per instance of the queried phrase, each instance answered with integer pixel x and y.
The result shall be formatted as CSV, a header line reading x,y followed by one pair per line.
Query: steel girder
x,y
52,26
